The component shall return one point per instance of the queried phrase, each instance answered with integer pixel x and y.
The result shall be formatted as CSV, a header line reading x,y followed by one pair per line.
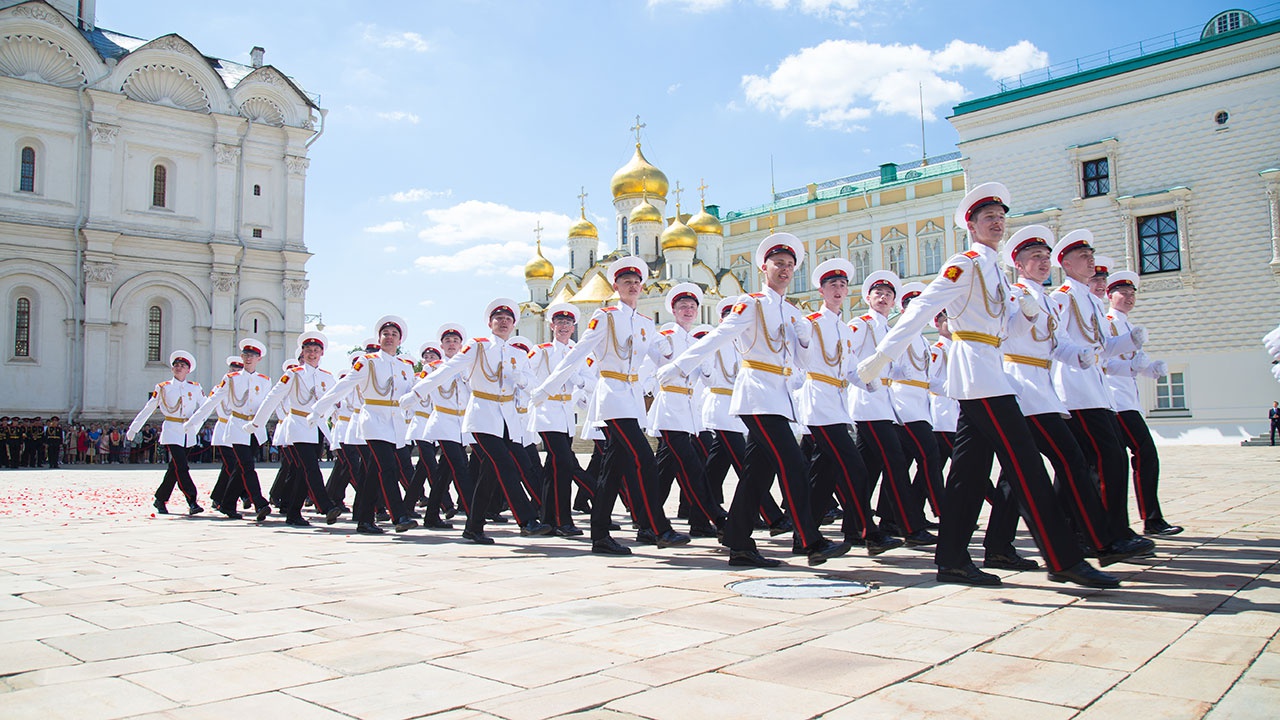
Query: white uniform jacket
x,y
768,330
830,365
619,338
1084,323
243,393
1122,370
178,400
296,392
976,296
673,406
723,373
944,411
378,379
1031,349
910,387
867,405
494,371
557,412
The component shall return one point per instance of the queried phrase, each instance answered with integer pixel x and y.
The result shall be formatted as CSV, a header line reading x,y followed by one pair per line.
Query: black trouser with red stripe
x,y
1145,463
351,472
557,476
498,478
881,448
307,480
990,428
837,462
381,482
678,457
242,478
922,447
281,487
1098,433
628,460
1072,483
771,449
224,475
730,448
946,445
178,473
530,473
453,468
423,473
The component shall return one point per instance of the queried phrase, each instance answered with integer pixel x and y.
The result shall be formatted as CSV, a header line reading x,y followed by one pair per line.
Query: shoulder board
x,y
666,332
1064,288
234,373
813,316
406,361
545,345
480,339
971,254
326,372
1020,285
865,318
757,295
264,377
531,354
435,363
609,308
371,355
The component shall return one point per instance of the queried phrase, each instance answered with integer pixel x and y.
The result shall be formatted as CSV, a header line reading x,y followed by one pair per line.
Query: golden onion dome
x,y
678,236
638,176
645,212
539,268
583,228
704,223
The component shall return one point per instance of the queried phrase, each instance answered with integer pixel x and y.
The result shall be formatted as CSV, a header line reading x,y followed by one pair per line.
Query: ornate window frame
x,y
1107,148
1176,200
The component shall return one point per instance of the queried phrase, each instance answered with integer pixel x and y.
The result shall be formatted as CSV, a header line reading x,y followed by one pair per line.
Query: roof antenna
x,y
924,152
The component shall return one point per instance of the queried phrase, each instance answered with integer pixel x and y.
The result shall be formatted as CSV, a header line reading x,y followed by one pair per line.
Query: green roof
x,y
1214,42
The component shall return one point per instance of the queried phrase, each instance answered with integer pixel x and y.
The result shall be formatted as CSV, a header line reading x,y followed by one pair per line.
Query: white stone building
x,y
151,199
1172,159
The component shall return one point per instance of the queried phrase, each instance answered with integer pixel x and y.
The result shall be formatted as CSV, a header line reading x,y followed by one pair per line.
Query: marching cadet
x,y
620,338
829,366
444,427
494,370
1035,341
770,331
281,487
242,391
553,420
380,378
218,443
177,399
418,414
524,442
1085,390
1122,291
1102,265
976,295
879,439
346,431
299,387
674,419
910,395
944,411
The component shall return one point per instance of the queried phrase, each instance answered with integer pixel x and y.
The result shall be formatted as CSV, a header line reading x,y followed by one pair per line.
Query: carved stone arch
x,y
263,306
40,20
29,57
169,66
263,110
270,85
50,273
146,282
166,85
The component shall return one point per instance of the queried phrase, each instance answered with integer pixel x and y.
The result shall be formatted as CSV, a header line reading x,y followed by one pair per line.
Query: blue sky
x,y
455,127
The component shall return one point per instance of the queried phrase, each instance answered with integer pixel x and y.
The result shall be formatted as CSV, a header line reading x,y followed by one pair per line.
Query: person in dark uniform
x,y
53,442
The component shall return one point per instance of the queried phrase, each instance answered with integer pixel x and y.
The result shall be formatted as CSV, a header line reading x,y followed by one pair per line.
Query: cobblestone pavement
x,y
108,611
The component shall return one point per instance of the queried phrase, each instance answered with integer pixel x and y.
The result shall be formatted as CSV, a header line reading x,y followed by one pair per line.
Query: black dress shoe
x,y
365,528
967,575
263,512
1009,560
158,504
889,527
298,521
614,526
415,515
1160,527
569,530
609,546
405,523
671,538
232,515
751,558
1084,574
824,550
436,524
702,531
331,516
478,538
831,517
194,509
498,518
1127,549
880,543
930,525
449,512
382,516
919,538
782,527
646,537
536,528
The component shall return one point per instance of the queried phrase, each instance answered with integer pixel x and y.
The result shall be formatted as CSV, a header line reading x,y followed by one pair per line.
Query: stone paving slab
x,y
107,610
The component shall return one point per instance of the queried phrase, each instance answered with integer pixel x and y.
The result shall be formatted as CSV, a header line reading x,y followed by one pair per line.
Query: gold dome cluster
x,y
645,212
638,177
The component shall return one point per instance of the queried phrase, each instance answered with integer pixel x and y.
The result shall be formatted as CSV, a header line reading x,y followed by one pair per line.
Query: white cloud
x,y
426,303
693,6
396,40
399,115
671,89
389,249
476,221
839,82
844,11
393,226
417,195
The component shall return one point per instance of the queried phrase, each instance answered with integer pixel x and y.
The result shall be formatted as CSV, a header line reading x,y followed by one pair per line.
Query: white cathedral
x,y
683,248
151,199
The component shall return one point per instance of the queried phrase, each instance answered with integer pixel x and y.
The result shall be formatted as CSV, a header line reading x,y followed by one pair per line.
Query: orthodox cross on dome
x,y
702,191
582,200
537,234
677,192
637,128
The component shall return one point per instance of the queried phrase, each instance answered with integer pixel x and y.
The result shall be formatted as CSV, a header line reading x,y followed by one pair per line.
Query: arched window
x,y
861,266
932,256
154,316
159,185
22,328
898,260
27,183
624,234
257,190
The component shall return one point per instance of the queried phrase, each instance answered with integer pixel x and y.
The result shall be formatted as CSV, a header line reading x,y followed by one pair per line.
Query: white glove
x,y
1139,335
539,396
869,370
669,374
312,419
187,429
408,400
803,330
1141,361
130,435
1086,358
1158,369
249,427
1272,342
1275,371
873,386
1028,305
579,380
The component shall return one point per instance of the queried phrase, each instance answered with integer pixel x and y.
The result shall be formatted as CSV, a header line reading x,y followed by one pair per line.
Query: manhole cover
x,y
797,588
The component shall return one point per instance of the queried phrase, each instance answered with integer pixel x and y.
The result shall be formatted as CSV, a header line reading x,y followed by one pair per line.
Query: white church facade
x,y
151,199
